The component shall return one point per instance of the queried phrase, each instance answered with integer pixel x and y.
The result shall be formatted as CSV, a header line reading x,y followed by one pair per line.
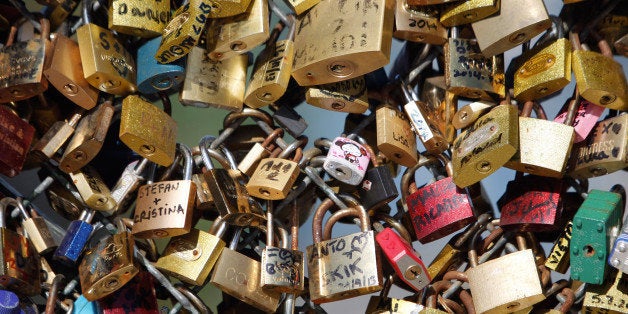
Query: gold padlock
x,y
418,23
225,8
139,17
468,114
93,190
439,106
346,96
395,137
300,6
466,12
353,38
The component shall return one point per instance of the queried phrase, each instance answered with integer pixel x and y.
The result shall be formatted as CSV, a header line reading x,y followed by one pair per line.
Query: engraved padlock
x,y
15,142
428,132
346,96
139,18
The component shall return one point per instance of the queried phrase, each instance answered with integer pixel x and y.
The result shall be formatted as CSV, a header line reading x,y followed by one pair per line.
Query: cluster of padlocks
x,y
78,85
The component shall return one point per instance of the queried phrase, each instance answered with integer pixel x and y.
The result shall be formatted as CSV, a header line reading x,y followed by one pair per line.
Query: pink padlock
x,y
586,117
347,160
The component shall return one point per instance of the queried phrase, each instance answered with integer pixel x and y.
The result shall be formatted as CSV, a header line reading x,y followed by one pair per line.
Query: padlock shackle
x,y
188,161
44,30
322,143
347,212
299,142
207,152
408,175
245,113
369,149
394,224
20,205
88,5
308,154
4,204
192,296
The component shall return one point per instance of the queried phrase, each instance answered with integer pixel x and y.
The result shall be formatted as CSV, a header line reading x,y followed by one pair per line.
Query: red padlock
x,y
138,296
440,208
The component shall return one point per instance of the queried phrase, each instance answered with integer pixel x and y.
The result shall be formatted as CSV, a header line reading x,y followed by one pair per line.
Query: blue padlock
x,y
83,306
154,77
9,302
75,238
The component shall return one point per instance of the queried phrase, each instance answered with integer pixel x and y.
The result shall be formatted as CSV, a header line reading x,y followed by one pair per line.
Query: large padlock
x,y
15,142
347,160
190,257
139,18
20,271
418,24
165,209
357,43
395,137
23,64
349,95
154,77
343,267
485,146
108,265
107,65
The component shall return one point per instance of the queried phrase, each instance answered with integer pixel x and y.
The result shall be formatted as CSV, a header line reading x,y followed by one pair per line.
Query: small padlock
x,y
190,257
395,137
558,258
428,132
141,18
55,137
147,130
347,160
152,76
93,190
345,96
36,229
249,163
607,297
586,118
338,268
108,265
238,34
486,145
219,84
439,106
418,24
300,6
466,12
378,188
75,238
165,209
15,142
355,44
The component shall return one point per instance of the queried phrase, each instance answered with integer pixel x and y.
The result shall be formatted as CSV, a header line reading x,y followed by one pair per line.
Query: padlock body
x,y
586,118
164,209
601,80
338,269
346,96
106,63
139,18
39,234
608,297
271,75
347,161
93,190
137,296
154,77
251,160
418,24
378,188
283,270
354,45
20,271
148,131
618,256
468,12
108,266
406,262
52,140
73,242
22,69
558,258
273,179
439,209
15,142
231,199
191,256
395,137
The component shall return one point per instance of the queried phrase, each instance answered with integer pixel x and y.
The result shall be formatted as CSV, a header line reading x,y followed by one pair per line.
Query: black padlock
x,y
378,186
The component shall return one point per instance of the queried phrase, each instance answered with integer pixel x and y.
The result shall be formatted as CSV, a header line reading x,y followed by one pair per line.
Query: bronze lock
x,y
345,96
139,18
419,24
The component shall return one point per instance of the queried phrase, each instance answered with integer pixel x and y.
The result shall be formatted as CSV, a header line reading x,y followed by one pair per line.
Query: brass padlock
x,y
512,26
249,163
36,229
93,190
238,34
139,18
609,297
107,65
419,24
55,137
300,6
147,130
346,96
469,11
356,44
218,84
395,137
439,106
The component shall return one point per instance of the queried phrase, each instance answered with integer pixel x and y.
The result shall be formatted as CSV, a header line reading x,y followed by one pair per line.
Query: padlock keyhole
x,y
588,251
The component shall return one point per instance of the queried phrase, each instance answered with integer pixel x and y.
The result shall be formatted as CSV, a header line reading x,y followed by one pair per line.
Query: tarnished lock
x,y
428,132
439,106
357,43
22,64
377,188
485,146
239,276
352,261
108,265
165,209
147,130
395,137
36,229
55,137
139,18
512,26
347,160
210,83
107,65
88,138
92,189
272,69
586,118
20,271
238,34
594,225
349,95
439,208
15,142
470,11
154,77
68,77
419,24
190,257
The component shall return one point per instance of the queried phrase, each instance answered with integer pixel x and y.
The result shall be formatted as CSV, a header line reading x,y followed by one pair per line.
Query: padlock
x,y
249,163
219,84
93,190
108,265
63,202
439,106
137,296
88,138
274,177
272,69
439,208
600,79
466,12
20,271
593,227
608,297
486,145
551,160
152,76
546,69
289,119
338,269
61,12
68,77
36,230
10,302
229,37
428,132
418,24
183,31
75,238
469,113
165,209
345,96
15,142
147,130
357,43
190,257
140,18
378,187
617,258
46,147
107,65
381,303
395,137
512,26
127,184
558,258
22,64
586,118
347,161
239,276
300,6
